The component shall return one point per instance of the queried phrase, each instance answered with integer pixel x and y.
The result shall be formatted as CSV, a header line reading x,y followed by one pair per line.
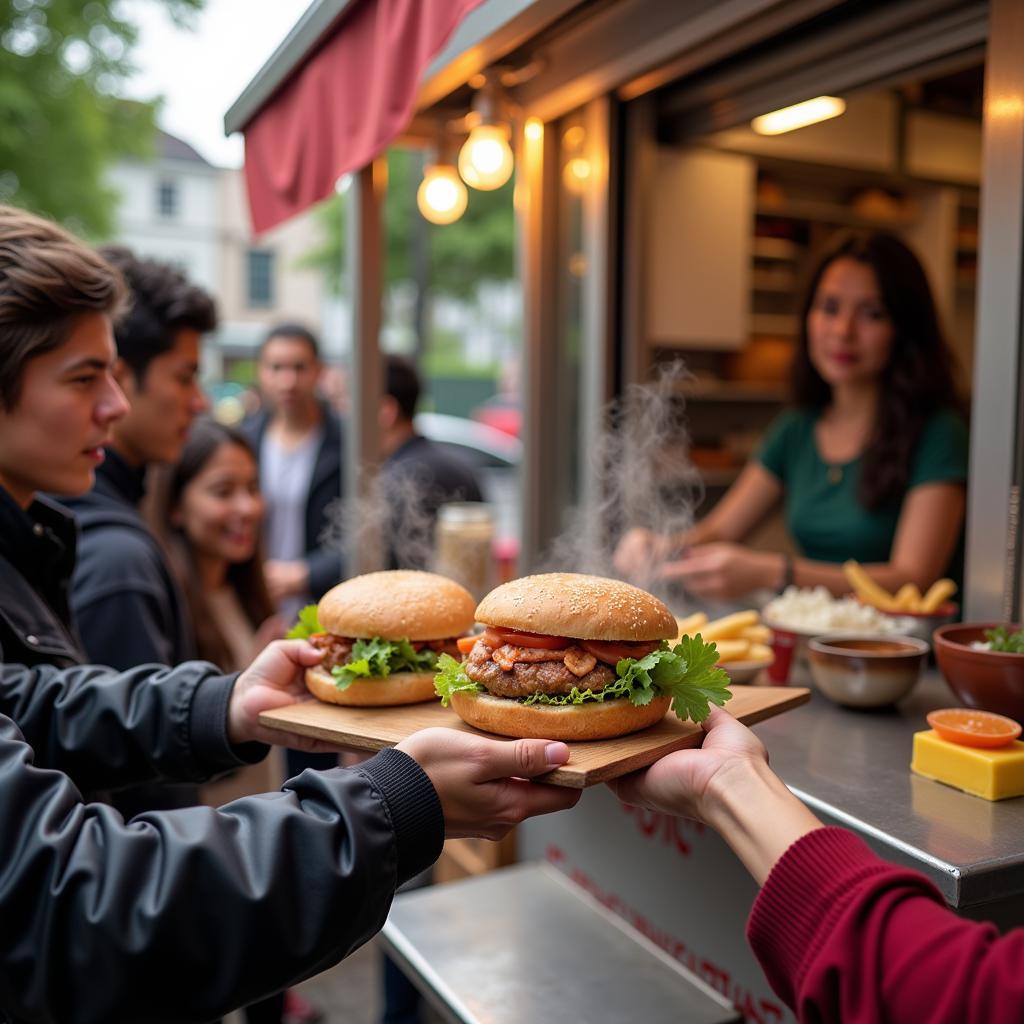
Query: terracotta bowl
x,y
866,671
989,680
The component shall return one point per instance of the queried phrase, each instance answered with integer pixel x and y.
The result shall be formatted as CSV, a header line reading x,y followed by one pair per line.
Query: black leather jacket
x,y
179,915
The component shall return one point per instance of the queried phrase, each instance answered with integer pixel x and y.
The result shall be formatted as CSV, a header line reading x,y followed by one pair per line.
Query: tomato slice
x,y
536,640
972,728
610,652
466,643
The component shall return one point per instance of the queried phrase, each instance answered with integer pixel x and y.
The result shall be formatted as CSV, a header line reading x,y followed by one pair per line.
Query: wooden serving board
x,y
370,729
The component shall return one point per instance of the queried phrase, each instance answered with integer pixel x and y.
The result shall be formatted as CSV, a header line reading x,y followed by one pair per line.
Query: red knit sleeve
x,y
845,936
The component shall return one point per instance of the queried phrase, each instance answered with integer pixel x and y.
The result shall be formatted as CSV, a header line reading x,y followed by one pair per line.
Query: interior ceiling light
x,y
800,115
441,197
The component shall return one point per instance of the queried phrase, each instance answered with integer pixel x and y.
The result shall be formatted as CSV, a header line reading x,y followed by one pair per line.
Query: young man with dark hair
x,y
417,474
180,915
299,444
124,595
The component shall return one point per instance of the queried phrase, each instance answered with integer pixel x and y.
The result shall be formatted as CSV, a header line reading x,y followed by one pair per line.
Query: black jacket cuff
x,y
208,728
414,806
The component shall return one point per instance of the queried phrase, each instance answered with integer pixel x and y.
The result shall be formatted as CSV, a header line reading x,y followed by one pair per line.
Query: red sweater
x,y
844,936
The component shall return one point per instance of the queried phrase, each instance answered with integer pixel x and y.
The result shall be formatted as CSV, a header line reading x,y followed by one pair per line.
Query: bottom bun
x,y
599,720
399,688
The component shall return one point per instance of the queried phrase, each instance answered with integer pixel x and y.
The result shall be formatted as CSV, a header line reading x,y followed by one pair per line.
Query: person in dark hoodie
x,y
183,914
125,598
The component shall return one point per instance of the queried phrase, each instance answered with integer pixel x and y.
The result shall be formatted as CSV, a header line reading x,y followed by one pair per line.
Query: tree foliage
x,y
61,123
479,246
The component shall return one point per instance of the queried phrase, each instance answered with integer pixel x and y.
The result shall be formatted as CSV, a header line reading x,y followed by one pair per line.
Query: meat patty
x,y
527,678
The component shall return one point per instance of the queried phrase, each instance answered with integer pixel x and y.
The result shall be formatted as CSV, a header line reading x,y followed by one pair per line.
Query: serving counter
x,y
680,885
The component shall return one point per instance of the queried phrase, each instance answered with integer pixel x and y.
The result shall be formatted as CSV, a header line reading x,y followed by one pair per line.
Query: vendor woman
x,y
871,464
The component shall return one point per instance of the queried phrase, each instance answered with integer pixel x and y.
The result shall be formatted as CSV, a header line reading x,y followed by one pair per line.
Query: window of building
x,y
260,277
167,199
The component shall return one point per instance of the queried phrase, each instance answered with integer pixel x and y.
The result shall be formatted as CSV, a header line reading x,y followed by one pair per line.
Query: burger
x,y
382,634
572,657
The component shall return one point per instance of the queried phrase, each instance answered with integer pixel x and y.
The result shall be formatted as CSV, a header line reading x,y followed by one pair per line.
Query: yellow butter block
x,y
994,773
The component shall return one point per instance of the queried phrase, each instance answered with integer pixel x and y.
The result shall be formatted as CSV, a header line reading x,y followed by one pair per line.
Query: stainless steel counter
x,y
853,769
523,944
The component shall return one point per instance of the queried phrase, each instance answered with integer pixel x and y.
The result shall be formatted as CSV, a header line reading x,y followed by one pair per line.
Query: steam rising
x,y
643,477
397,513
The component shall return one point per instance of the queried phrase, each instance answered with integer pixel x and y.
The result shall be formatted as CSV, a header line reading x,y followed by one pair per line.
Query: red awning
x,y
344,105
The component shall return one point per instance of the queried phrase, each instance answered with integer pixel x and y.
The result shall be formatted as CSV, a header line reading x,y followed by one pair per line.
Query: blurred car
x,y
502,412
495,457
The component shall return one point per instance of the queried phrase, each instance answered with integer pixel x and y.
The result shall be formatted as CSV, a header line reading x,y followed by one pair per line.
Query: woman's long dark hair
x,y
919,378
246,578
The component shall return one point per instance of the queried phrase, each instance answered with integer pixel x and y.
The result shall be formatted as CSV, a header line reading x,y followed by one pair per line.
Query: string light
x,y
441,197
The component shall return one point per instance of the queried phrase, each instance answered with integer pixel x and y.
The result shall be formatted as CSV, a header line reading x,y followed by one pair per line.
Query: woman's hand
x,y
727,784
720,571
684,783
285,579
483,784
640,553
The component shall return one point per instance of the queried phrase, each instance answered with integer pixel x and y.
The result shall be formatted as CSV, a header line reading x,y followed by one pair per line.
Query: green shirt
x,y
823,511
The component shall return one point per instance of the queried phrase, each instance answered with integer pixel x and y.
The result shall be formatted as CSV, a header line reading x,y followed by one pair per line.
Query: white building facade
x,y
179,208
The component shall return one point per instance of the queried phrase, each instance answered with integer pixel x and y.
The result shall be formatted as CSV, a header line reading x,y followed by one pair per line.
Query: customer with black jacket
x,y
180,915
299,444
124,596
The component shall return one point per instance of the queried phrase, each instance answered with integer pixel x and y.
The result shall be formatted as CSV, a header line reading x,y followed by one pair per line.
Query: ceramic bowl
x,y
989,680
866,671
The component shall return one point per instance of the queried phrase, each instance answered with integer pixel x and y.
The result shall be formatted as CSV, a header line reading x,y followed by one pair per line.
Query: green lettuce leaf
x,y
451,678
377,657
307,625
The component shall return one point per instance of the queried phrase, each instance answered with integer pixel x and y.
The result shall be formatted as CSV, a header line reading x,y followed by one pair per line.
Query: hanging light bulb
x,y
441,196
485,160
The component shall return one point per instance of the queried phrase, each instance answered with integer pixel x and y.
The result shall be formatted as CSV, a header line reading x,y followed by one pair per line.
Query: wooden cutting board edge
x,y
576,777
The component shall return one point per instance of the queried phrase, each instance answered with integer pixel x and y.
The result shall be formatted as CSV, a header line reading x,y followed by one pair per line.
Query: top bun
x,y
571,605
397,605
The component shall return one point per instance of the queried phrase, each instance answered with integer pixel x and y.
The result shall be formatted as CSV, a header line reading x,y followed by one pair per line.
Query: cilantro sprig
x,y
687,672
1001,639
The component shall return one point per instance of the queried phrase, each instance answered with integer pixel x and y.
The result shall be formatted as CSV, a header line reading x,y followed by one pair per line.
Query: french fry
x,y
729,627
759,634
760,652
733,650
908,598
939,592
691,624
867,589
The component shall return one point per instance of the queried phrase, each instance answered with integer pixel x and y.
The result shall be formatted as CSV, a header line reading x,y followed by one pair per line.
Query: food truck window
x,y
741,217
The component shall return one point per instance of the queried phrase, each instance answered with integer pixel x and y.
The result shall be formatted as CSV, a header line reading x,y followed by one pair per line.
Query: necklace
x,y
835,475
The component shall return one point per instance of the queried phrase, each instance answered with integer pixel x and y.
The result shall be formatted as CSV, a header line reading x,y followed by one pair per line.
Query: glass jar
x,y
464,543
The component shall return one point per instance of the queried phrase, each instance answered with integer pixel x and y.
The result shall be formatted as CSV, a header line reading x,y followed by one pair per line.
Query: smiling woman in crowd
x,y
871,462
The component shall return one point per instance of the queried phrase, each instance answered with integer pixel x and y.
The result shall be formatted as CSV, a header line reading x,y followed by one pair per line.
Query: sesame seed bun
x,y
397,688
397,605
577,722
572,605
